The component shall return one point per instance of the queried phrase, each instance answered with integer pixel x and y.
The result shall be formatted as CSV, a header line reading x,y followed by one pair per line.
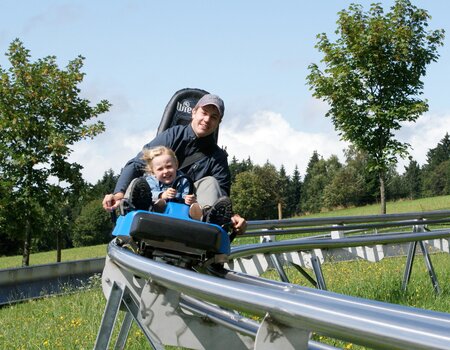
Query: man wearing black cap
x,y
200,158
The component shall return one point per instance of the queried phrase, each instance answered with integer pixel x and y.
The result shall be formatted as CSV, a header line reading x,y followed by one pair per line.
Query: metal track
x,y
290,313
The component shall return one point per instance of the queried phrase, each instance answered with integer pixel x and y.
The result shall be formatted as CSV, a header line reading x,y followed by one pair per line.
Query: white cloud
x,y
268,136
108,151
423,135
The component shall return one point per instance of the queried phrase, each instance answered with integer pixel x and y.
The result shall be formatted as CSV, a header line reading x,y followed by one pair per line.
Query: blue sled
x,y
174,231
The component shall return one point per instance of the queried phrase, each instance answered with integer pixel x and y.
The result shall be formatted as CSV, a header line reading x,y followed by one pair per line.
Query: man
x,y
200,158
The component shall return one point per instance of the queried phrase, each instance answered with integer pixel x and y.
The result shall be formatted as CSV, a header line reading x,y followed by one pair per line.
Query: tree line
x,y
328,183
258,192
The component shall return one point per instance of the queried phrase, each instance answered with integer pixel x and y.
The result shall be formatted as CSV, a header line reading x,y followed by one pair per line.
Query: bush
x,y
93,225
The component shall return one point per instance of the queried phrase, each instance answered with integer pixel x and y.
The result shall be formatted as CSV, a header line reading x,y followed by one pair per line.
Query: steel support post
x,y
279,267
409,264
430,268
318,272
426,256
124,330
109,317
304,273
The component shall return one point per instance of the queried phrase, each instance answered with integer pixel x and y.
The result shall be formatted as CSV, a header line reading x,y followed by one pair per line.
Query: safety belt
x,y
189,160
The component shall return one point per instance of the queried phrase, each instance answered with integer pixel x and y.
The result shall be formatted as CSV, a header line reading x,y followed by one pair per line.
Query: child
x,y
162,170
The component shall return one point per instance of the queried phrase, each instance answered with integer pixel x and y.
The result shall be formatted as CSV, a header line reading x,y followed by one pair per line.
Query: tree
x,y
440,153
319,175
248,196
237,167
372,80
436,171
256,193
358,161
93,225
436,182
103,186
284,191
295,189
41,116
413,179
345,188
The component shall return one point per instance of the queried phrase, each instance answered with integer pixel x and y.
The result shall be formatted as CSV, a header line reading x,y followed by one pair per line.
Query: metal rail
x,y
24,283
401,219
293,311
312,243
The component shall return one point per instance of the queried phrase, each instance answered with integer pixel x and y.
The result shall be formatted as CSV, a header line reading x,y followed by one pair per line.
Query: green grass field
x,y
71,321
50,257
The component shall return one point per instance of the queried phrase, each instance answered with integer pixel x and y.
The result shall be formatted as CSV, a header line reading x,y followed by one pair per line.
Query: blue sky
x,y
254,54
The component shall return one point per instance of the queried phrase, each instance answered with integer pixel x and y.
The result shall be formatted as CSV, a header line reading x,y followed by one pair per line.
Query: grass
x,y
66,322
401,206
50,257
72,321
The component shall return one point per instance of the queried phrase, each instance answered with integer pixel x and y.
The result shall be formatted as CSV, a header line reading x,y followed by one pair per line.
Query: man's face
x,y
205,120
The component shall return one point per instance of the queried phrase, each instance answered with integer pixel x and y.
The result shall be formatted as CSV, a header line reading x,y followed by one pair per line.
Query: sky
x,y
254,54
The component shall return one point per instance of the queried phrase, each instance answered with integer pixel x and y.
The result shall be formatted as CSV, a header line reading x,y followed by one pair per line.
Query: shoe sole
x,y
221,212
140,194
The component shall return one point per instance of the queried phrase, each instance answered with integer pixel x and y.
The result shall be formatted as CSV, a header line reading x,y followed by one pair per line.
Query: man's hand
x,y
239,224
112,201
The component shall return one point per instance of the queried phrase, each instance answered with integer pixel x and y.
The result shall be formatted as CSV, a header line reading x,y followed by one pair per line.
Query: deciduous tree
x,y
373,78
41,117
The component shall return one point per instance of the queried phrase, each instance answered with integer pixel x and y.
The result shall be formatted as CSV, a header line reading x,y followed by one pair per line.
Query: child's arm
x,y
190,199
170,193
184,189
154,186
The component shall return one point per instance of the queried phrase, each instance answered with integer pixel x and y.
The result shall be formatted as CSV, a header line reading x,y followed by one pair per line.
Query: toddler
x,y
162,170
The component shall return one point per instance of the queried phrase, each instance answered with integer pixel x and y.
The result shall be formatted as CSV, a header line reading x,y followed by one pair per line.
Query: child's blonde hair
x,y
151,153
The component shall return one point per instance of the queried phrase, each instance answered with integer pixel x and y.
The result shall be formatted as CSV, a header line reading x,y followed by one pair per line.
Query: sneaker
x,y
139,194
220,213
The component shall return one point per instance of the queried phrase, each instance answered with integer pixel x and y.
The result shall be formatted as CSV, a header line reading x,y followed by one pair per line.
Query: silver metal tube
x,y
341,220
430,316
347,321
340,227
308,244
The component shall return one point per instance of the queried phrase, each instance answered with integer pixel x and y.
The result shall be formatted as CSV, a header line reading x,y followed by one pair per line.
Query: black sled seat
x,y
179,109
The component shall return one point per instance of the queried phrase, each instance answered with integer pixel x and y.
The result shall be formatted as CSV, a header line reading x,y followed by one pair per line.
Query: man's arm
x,y
133,169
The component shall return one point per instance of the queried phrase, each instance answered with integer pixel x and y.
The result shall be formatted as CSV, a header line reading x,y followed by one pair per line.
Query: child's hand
x,y
169,193
190,199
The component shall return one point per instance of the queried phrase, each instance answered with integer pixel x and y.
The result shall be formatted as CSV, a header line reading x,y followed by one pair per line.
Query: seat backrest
x,y
179,109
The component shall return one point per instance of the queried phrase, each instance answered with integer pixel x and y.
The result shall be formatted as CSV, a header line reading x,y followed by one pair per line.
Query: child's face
x,y
164,168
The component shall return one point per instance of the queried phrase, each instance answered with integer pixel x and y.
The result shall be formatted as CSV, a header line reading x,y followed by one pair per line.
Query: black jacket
x,y
183,141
